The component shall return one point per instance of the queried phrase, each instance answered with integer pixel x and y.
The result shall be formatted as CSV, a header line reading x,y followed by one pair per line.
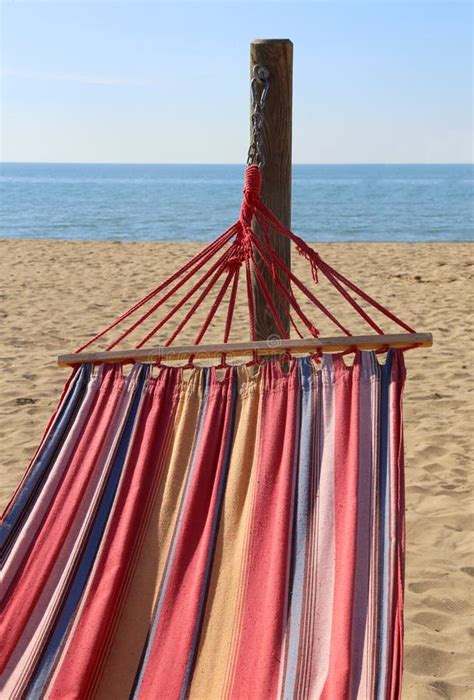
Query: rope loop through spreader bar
x,y
211,281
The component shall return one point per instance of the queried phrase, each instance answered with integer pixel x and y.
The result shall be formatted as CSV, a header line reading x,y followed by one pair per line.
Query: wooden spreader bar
x,y
261,347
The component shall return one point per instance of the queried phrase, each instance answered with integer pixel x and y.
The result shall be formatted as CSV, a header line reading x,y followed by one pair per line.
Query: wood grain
x,y
261,347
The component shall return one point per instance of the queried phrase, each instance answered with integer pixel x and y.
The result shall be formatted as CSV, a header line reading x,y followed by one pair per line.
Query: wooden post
x,y
277,56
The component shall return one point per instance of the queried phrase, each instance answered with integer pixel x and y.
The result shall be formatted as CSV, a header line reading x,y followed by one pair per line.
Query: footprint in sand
x,y
433,621
422,586
428,661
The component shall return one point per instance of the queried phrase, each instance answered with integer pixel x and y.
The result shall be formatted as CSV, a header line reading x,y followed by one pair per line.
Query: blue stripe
x,y
229,438
159,604
45,458
384,541
301,522
46,663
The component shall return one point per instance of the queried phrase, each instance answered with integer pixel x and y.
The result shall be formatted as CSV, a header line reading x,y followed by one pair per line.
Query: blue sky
x,y
158,82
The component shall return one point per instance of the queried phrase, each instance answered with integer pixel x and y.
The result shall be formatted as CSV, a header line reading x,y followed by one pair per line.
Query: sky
x,y
127,81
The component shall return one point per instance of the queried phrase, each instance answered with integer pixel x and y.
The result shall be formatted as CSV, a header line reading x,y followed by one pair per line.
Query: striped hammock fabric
x,y
211,537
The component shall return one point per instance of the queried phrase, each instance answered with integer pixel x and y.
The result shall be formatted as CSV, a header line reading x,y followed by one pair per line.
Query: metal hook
x,y
261,74
256,154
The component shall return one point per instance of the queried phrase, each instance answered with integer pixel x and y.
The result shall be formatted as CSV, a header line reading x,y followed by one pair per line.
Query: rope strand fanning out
x,y
210,283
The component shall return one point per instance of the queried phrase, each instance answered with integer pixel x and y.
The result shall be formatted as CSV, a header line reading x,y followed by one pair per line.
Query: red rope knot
x,y
312,258
243,248
253,181
252,187
236,260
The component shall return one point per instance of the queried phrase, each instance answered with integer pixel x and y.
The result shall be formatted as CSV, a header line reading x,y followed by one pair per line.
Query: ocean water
x,y
197,202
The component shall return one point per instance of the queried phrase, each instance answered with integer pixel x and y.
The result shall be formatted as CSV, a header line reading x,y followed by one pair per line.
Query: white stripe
x,y
31,642
325,538
30,527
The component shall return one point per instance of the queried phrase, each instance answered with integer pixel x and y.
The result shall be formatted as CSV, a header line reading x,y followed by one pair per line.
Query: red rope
x,y
279,227
303,288
242,251
370,300
207,253
230,310
284,293
248,279
214,307
316,262
195,306
285,288
348,298
187,296
275,315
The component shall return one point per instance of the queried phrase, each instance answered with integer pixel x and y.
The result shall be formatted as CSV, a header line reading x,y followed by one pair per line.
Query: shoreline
x,y
163,242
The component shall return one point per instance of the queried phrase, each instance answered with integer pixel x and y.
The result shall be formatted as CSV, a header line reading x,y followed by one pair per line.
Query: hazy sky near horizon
x,y
167,82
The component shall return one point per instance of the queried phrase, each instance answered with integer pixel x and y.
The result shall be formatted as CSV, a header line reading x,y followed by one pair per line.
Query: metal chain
x,y
256,153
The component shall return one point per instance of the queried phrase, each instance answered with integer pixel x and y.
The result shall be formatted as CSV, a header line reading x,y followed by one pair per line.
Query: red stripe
x,y
396,418
346,468
43,438
257,659
57,525
82,661
172,643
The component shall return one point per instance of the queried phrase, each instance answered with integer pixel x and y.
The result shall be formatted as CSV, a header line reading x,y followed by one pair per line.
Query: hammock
x,y
227,531
237,538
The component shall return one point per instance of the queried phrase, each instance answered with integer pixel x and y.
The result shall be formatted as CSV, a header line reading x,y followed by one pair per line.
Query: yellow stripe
x,y
215,653
121,666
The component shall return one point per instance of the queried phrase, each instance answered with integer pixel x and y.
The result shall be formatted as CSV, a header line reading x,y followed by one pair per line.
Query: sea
x,y
197,202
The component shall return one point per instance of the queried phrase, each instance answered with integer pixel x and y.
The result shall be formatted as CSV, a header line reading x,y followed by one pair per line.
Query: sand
x,y
56,294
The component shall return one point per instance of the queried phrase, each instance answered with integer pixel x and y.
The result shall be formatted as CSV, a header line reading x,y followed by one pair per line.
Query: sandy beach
x,y
55,295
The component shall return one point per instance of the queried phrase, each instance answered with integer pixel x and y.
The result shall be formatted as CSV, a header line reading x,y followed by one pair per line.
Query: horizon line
x,y
243,165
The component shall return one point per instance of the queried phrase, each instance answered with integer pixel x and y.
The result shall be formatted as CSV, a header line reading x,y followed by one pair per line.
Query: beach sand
x,y
55,295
